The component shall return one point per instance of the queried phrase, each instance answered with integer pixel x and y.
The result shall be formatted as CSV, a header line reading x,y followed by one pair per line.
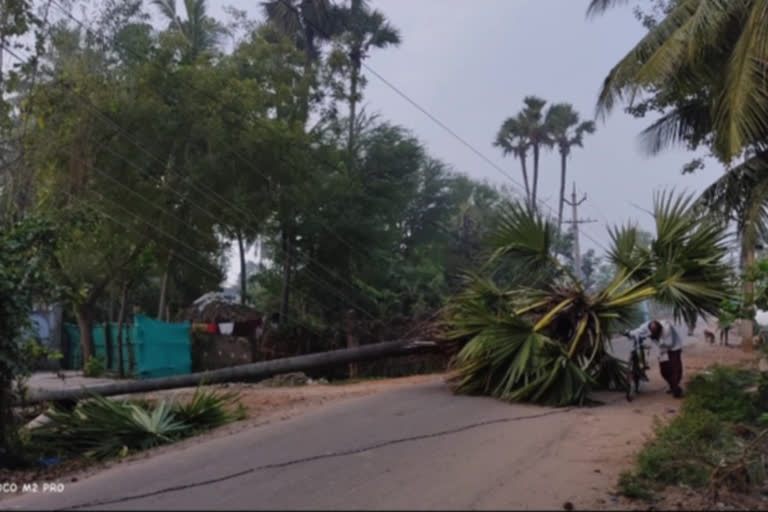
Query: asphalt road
x,y
420,447
415,448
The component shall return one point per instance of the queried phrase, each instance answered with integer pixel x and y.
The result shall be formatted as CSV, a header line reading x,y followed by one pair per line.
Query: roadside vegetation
x,y
99,428
716,445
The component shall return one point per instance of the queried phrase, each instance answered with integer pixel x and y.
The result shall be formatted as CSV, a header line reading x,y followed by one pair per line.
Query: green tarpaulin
x,y
150,348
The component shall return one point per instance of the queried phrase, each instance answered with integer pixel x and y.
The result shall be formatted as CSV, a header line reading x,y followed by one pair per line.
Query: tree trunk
x,y
85,324
108,343
261,370
120,321
243,277
111,313
524,166
535,175
747,325
164,287
563,166
285,298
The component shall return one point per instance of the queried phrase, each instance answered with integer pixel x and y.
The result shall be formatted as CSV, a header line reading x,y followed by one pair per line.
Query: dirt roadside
x,y
610,436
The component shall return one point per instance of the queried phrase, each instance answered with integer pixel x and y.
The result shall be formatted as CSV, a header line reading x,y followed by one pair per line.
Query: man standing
x,y
670,351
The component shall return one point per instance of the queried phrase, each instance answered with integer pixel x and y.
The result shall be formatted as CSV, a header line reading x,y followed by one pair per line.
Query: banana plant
x,y
532,333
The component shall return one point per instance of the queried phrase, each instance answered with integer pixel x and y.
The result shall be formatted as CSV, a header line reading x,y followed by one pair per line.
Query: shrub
x,y
207,409
95,367
100,428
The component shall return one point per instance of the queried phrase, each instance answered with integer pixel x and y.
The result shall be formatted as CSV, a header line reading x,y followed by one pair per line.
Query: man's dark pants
x,y
672,371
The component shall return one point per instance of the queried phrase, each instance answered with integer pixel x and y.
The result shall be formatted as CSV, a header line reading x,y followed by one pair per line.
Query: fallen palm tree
x,y
531,331
261,370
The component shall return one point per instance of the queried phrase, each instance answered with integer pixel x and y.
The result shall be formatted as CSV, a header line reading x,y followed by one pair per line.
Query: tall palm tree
x,y
567,132
202,32
537,133
741,196
712,54
512,141
308,23
365,29
716,45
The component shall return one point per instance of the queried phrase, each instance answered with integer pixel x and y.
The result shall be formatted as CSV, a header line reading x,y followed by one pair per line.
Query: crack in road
x,y
313,458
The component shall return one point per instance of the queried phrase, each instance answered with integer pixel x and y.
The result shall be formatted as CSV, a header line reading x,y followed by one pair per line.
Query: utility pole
x,y
573,203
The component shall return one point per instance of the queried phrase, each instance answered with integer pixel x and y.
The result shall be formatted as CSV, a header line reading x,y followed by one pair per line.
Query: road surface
x,y
414,448
418,448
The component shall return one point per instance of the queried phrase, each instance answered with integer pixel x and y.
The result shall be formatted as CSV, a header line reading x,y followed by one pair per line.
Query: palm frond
x,y
597,7
547,341
743,109
523,238
689,122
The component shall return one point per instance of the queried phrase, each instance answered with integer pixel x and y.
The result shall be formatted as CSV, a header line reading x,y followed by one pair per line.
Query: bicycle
x,y
637,366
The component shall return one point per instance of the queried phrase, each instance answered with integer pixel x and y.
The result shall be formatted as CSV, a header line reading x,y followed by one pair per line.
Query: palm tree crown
x,y
566,131
202,32
715,45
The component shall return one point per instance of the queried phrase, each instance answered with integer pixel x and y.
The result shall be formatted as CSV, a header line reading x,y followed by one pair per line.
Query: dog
x,y
709,336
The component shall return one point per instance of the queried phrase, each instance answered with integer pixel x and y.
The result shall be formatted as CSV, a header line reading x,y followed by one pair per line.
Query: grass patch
x,y
716,440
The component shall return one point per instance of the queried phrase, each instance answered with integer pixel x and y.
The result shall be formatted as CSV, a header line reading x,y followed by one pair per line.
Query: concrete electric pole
x,y
575,226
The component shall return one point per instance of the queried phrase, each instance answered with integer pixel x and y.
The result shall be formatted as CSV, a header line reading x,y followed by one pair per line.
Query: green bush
x,y
95,367
722,391
207,410
100,428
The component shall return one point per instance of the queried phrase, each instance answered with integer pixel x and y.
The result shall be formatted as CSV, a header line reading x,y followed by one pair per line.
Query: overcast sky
x,y
470,63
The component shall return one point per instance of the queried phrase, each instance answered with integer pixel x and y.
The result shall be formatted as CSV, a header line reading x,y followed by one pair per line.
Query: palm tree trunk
x,y
84,317
524,166
120,322
535,174
747,325
563,165
253,371
164,287
243,277
287,247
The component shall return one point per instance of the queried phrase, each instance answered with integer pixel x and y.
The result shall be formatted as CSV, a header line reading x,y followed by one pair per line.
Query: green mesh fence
x,y
151,348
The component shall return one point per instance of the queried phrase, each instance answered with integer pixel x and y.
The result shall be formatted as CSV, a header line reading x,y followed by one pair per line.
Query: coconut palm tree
x,y
365,29
542,338
567,132
711,56
512,141
741,196
201,32
712,45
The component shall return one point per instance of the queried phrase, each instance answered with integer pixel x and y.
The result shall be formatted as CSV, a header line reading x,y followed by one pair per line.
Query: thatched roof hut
x,y
217,307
